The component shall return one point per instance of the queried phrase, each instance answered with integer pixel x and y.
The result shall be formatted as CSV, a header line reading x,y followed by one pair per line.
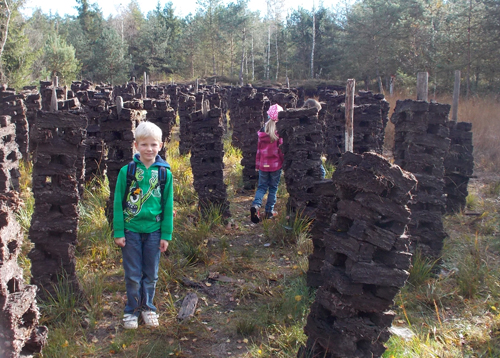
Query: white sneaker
x,y
150,318
130,321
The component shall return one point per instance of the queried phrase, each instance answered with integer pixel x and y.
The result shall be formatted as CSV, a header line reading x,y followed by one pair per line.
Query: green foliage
x,y
421,269
64,306
18,56
59,58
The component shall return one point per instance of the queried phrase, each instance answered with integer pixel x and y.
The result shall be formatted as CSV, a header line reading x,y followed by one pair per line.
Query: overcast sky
x,y
182,7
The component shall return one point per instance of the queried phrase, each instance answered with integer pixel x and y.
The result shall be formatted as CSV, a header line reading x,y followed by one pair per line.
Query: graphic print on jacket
x,y
136,197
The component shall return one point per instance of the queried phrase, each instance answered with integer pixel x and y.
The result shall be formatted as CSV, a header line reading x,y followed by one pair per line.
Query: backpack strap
x,y
162,179
131,169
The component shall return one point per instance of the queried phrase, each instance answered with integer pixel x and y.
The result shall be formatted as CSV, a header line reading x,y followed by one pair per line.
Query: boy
x,y
142,227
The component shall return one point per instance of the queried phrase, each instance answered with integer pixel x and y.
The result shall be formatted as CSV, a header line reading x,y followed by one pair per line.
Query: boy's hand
x,y
163,245
120,241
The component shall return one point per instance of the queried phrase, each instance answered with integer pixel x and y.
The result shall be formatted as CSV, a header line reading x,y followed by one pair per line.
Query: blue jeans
x,y
267,180
141,258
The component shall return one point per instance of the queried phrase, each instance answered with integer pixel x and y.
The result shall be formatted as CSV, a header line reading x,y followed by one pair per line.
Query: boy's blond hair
x,y
148,130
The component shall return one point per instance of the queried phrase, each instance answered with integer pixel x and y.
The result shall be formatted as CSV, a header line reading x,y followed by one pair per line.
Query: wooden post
x,y
391,85
456,96
53,100
349,115
287,82
422,86
380,85
144,95
119,104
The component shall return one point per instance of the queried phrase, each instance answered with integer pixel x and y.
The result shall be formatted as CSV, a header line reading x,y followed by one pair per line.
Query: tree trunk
x,y
268,51
4,36
231,57
469,50
253,63
277,54
242,57
313,42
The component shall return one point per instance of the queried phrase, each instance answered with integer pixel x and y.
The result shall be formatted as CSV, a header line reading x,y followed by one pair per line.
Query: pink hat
x,y
273,112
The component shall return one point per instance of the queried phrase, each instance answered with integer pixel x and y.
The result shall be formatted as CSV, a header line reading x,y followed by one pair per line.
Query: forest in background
x,y
365,40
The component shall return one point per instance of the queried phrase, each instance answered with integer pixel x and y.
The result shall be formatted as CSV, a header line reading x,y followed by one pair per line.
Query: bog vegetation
x,y
364,39
251,278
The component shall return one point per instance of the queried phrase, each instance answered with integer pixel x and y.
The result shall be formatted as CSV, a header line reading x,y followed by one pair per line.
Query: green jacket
x,y
143,204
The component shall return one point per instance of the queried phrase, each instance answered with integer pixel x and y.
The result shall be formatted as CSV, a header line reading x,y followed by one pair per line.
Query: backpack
x,y
162,181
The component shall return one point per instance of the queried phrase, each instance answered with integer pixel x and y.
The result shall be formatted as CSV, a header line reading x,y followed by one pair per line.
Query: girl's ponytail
x,y
270,129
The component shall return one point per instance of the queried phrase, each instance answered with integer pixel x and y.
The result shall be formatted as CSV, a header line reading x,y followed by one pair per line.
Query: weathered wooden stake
x,y
391,85
145,84
422,86
349,115
380,85
119,104
456,96
53,101
287,82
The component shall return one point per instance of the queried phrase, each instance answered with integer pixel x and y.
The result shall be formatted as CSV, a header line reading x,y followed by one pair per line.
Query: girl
x,y
268,163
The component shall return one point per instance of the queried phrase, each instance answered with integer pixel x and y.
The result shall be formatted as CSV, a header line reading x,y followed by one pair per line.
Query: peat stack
x,y
238,116
285,98
117,130
207,161
251,120
365,258
59,147
161,114
13,105
370,119
187,105
155,92
129,91
302,146
421,144
173,92
96,107
9,155
458,166
20,334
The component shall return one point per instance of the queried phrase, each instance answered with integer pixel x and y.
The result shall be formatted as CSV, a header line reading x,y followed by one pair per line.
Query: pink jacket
x,y
269,156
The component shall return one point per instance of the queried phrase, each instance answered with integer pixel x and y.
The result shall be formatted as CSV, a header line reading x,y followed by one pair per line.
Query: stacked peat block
x,y
365,258
13,105
128,92
63,102
173,92
20,334
285,98
224,105
207,161
370,119
161,114
302,136
33,104
421,144
59,143
96,108
458,166
238,116
252,109
187,105
155,92
117,131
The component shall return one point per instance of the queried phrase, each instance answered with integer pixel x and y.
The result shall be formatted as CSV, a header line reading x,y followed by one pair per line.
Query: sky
x,y
182,7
